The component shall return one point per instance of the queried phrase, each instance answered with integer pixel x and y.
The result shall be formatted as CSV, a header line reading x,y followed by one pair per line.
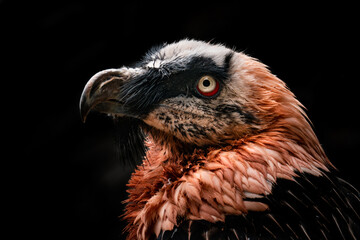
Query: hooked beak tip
x,y
84,106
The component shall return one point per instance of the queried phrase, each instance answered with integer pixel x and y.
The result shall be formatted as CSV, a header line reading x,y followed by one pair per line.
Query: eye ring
x,y
208,86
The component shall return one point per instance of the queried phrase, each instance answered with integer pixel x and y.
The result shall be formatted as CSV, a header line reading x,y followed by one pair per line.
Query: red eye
x,y
208,86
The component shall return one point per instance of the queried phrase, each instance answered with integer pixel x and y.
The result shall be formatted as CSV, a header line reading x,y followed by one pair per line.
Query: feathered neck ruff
x,y
213,182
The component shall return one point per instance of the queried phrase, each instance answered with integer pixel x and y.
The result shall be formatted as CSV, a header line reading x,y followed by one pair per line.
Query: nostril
x,y
116,101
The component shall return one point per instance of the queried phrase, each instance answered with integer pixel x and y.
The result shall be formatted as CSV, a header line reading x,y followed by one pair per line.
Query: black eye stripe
x,y
172,79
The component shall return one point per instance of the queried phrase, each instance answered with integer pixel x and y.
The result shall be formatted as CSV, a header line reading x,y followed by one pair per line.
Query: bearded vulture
x,y
226,150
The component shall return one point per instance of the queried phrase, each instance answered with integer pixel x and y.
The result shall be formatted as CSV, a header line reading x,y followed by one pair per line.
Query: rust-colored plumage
x,y
209,158
211,183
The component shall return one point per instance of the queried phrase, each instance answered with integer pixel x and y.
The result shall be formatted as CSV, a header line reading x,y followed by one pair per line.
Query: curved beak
x,y
101,93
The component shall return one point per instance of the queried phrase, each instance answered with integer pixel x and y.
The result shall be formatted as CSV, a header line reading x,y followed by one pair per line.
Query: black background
x,y
64,180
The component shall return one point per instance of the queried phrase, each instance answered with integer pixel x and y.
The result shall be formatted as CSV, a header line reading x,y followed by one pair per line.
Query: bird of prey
x,y
227,151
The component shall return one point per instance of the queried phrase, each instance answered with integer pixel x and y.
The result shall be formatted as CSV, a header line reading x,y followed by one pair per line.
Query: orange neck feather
x,y
211,183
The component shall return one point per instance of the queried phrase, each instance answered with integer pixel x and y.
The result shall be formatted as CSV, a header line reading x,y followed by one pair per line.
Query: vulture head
x,y
214,127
